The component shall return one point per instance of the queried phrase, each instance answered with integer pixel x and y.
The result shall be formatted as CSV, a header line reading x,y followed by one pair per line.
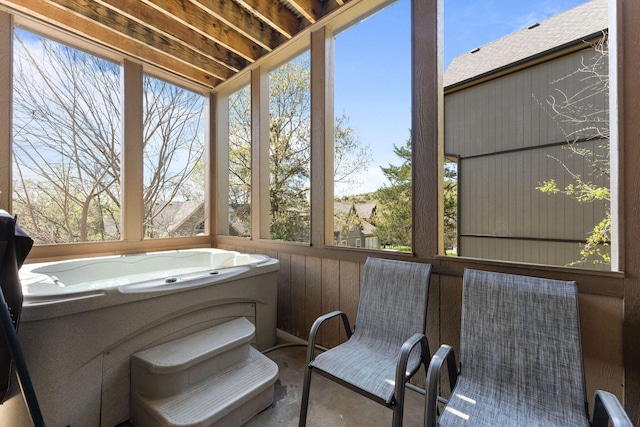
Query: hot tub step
x,y
229,398
171,368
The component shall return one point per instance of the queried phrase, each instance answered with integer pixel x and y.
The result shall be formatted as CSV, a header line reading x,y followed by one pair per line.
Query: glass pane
x,y
240,163
372,135
290,150
528,124
450,195
174,184
66,150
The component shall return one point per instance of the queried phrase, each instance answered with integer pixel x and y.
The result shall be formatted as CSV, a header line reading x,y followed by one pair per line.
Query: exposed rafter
x,y
205,41
180,34
312,10
198,20
275,14
91,30
241,20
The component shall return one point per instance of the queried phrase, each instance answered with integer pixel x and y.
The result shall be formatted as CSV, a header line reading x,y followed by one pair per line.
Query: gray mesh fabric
x,y
392,307
520,354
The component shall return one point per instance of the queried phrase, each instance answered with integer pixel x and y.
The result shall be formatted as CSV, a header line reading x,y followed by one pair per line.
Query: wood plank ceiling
x,y
205,41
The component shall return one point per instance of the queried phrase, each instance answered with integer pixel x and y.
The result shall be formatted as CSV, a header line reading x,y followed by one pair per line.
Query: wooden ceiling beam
x,y
148,16
243,21
331,5
312,10
195,18
109,18
205,41
275,14
93,31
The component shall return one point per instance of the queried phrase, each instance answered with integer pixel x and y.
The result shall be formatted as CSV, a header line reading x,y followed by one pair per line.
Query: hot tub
x,y
83,319
149,272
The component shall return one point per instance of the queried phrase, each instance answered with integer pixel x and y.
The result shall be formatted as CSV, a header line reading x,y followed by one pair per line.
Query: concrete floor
x,y
329,404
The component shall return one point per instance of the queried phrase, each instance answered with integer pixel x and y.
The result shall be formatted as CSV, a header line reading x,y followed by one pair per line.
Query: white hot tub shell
x,y
83,319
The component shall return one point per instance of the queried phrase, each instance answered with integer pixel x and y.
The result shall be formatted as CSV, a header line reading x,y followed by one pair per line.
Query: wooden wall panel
x,y
349,291
298,296
284,292
313,296
433,314
627,90
449,310
602,343
331,301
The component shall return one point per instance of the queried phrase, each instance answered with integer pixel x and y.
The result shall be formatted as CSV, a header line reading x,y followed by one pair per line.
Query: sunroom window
x,y
239,155
66,142
372,131
290,150
528,126
174,169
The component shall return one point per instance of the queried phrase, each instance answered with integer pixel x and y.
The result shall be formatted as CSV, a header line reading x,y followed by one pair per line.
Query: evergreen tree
x,y
393,226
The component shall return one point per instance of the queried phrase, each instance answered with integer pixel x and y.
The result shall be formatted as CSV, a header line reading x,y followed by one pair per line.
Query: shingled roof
x,y
576,25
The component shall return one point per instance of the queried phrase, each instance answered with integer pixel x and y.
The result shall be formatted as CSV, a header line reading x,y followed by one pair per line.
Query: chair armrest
x,y
405,351
444,353
311,344
401,368
607,406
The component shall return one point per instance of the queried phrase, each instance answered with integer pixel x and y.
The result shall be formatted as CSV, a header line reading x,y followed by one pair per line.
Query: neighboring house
x,y
178,218
352,222
186,218
499,129
239,220
352,225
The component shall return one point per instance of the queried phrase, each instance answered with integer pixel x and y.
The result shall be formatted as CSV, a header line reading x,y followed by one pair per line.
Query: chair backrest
x,y
393,302
523,334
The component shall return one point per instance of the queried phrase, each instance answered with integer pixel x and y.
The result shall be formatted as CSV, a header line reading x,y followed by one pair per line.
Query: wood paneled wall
x,y
627,87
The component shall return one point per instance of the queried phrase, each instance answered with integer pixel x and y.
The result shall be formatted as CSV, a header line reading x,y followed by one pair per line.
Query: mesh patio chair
x,y
387,344
520,358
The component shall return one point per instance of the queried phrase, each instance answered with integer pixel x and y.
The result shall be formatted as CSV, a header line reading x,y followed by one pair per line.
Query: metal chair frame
x,y
606,405
418,339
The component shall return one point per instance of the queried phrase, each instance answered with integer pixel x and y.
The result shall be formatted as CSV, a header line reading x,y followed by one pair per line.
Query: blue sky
x,y
472,23
372,60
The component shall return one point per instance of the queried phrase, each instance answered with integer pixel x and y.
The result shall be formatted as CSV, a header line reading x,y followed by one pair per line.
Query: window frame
x,y
257,76
428,145
154,74
298,49
131,239
66,41
221,142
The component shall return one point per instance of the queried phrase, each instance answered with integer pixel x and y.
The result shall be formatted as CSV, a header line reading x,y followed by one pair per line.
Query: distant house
x,y
500,129
352,225
239,219
178,218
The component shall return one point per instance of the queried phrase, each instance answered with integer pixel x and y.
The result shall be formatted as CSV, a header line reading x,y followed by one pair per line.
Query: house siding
x,y
508,144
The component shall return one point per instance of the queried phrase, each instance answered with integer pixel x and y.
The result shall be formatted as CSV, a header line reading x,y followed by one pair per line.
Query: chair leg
x,y
398,407
398,412
305,398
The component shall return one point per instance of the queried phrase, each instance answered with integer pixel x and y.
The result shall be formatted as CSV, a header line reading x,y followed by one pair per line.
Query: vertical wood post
x,y
6,100
132,173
